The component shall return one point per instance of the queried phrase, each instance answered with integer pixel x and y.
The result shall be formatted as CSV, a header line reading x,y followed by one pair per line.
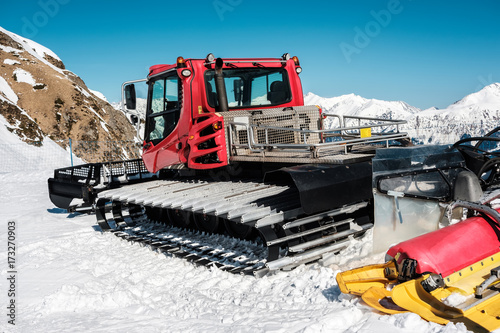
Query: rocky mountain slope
x,y
40,99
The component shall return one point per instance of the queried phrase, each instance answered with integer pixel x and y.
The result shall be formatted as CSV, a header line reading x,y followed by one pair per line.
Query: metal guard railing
x,y
349,135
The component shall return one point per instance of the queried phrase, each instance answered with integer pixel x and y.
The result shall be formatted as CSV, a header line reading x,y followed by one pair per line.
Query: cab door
x,y
161,142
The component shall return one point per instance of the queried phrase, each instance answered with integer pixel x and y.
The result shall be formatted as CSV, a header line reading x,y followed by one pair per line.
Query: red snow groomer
x,y
229,148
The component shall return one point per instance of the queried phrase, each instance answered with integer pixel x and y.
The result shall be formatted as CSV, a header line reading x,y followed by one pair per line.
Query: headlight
x,y
210,57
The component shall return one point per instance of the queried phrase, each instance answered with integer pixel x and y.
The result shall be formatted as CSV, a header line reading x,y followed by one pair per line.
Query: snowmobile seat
x,y
467,187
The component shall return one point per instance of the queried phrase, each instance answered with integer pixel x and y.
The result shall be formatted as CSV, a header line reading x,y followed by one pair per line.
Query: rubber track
x,y
193,247
123,211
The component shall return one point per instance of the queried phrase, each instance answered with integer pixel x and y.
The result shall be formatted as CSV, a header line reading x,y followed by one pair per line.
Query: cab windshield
x,y
250,87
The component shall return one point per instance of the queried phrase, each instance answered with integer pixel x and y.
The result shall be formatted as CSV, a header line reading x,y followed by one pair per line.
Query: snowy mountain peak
x,y
489,95
40,99
11,42
356,105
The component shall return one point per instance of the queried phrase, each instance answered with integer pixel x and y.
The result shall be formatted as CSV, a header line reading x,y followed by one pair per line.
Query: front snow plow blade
x,y
75,188
449,275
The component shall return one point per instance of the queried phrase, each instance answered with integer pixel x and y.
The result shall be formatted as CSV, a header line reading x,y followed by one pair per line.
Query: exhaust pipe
x,y
220,86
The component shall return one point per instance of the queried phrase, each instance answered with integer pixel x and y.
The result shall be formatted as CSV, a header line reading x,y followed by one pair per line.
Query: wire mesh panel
x,y
272,127
303,135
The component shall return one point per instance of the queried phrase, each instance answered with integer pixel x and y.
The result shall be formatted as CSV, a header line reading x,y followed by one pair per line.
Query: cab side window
x,y
164,111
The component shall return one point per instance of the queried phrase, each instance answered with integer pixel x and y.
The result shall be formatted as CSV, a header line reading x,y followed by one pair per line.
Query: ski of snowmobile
x,y
432,302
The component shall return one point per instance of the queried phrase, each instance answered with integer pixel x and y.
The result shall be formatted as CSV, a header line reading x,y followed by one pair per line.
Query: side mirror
x,y
130,99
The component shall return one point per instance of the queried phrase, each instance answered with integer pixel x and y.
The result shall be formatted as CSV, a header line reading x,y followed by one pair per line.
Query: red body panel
x,y
182,145
155,157
450,249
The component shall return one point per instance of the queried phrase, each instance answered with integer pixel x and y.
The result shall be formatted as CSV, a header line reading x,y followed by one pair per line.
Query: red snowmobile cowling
x,y
450,249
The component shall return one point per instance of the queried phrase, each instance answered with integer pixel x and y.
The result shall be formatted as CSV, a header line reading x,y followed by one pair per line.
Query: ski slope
x,y
72,278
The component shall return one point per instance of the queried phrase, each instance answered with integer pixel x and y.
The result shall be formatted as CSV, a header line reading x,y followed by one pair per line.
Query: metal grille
x,y
126,167
79,172
107,171
298,135
273,126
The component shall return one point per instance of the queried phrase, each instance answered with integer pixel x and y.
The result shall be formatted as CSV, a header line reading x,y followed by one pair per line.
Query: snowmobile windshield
x,y
250,87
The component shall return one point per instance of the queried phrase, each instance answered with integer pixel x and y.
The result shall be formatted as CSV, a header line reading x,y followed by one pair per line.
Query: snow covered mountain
x,y
475,114
355,105
40,98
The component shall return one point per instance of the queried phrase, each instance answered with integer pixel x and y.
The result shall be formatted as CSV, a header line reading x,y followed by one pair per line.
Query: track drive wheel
x,y
238,230
208,223
180,218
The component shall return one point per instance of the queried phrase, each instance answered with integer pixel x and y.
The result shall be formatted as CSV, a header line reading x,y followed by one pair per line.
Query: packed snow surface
x,y
73,278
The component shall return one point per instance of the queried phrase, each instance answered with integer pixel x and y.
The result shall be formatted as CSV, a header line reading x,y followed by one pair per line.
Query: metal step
x,y
290,262
318,217
354,229
309,232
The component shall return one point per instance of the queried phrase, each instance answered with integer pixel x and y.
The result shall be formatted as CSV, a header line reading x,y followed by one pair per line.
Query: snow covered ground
x,y
72,278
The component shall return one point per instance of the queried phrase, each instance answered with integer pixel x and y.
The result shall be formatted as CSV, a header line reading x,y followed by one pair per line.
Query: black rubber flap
x,y
324,187
62,193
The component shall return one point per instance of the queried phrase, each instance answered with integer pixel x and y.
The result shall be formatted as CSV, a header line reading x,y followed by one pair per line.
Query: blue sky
x,y
427,53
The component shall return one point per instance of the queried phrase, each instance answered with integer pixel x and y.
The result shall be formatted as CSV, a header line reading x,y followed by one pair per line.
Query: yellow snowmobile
x,y
447,275
451,274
